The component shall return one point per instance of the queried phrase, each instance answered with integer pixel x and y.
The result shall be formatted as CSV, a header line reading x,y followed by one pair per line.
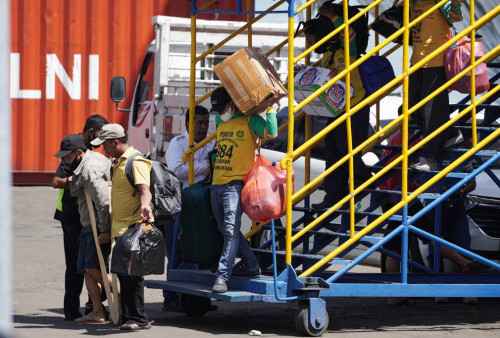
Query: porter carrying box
x,y
329,103
251,80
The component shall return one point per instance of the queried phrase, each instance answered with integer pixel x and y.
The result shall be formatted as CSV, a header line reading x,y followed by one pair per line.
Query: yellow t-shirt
x,y
235,151
336,63
125,208
428,34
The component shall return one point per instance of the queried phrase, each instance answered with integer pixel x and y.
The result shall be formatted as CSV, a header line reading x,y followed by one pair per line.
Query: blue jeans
x,y
226,207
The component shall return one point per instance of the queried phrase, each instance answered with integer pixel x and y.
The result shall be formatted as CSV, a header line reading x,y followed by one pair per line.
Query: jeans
x,y
226,207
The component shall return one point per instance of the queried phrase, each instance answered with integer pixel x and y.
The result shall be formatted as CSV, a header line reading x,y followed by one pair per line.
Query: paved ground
x,y
38,292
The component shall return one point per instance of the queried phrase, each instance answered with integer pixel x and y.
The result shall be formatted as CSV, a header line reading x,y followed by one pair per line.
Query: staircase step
x,y
202,290
259,284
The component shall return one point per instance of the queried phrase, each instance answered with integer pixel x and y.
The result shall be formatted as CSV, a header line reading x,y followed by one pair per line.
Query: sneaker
x,y
220,286
243,271
454,140
171,305
425,165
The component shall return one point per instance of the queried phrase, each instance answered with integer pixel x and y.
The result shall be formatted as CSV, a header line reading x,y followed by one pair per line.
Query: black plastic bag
x,y
139,251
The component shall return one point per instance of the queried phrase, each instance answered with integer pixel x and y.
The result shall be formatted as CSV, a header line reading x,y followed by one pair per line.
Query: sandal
x,y
134,326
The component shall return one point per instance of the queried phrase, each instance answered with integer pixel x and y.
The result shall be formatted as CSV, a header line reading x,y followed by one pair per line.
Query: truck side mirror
x,y
118,89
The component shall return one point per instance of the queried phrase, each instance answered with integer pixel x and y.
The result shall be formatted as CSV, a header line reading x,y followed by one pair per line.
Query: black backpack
x,y
360,26
165,190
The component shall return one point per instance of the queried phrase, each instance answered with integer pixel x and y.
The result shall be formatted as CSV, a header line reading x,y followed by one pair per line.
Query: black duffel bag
x,y
140,251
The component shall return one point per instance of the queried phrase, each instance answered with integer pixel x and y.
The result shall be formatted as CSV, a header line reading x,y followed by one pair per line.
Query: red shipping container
x,y
63,56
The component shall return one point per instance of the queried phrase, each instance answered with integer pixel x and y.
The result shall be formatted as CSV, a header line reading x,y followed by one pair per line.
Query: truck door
x,y
142,110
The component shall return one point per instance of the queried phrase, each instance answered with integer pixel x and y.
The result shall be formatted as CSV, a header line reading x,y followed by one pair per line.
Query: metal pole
x,y
5,177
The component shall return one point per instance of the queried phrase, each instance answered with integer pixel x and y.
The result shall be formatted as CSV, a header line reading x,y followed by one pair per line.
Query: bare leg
x,y
454,256
92,280
393,265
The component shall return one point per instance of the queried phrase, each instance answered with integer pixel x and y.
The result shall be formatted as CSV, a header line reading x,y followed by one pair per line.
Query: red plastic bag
x,y
457,58
263,197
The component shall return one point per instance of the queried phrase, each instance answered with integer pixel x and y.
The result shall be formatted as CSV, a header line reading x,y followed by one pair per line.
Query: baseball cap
x,y
69,144
108,132
219,100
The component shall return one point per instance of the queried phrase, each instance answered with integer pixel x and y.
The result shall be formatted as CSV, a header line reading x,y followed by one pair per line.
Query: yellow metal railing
x,y
401,122
405,152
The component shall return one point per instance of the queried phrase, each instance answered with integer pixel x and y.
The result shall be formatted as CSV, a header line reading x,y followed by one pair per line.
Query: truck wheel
x,y
195,306
304,326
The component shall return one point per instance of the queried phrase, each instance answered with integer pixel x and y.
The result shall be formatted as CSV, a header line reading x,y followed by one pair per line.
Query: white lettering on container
x,y
93,77
54,67
15,74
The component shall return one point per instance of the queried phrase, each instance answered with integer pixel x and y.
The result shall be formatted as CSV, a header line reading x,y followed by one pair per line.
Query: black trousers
x,y
434,113
73,281
336,184
132,300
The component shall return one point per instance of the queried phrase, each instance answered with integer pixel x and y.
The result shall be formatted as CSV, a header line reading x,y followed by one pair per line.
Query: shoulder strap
x,y
257,142
129,173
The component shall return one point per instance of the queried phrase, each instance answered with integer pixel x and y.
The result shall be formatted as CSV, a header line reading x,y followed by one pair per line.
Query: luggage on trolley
x,y
201,240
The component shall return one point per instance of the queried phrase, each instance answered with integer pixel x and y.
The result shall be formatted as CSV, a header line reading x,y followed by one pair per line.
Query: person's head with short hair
x,y
72,150
222,104
201,120
92,129
113,138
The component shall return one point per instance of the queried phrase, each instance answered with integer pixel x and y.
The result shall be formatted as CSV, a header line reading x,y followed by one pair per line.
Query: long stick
x,y
113,306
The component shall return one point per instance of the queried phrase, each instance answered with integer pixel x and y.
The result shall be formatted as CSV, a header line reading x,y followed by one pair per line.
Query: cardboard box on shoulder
x,y
251,80
329,103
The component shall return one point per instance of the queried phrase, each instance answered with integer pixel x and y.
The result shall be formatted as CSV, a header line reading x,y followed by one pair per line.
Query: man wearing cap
x,y
236,143
91,171
128,209
67,213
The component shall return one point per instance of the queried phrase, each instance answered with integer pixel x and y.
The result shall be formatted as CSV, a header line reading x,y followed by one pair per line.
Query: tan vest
x,y
235,151
428,34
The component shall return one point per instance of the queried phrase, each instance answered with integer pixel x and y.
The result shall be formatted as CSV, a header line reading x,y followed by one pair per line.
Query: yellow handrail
x,y
318,137
382,133
299,194
411,196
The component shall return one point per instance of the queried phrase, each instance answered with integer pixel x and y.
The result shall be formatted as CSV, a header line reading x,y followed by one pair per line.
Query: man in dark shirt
x,y
67,214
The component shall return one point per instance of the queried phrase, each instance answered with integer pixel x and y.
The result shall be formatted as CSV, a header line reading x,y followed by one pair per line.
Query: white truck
x,y
161,94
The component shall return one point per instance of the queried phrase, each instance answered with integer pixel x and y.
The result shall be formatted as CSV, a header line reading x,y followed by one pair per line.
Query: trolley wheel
x,y
195,306
303,325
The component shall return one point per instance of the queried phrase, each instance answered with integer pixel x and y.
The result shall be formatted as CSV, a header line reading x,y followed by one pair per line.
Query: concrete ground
x,y
38,287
